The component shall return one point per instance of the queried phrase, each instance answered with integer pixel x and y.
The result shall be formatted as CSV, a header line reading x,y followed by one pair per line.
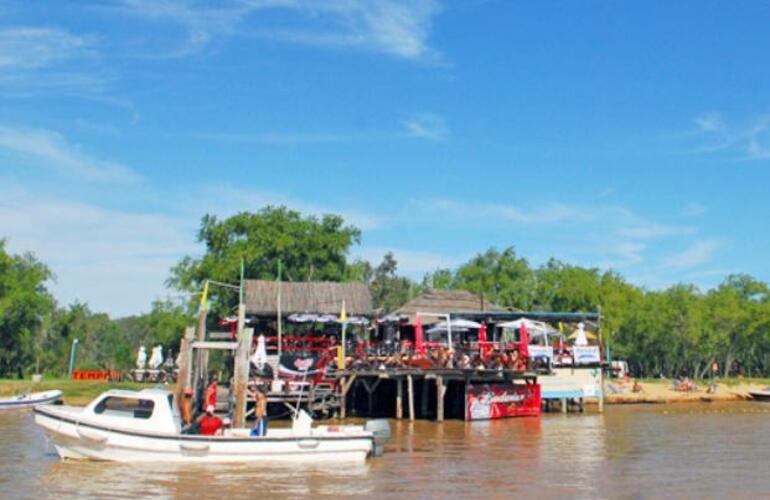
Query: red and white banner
x,y
489,401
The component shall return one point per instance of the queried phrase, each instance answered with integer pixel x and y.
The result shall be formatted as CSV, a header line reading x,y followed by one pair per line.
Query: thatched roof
x,y
307,297
444,301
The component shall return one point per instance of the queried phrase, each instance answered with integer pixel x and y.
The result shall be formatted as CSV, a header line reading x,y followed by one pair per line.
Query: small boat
x,y
30,400
763,395
145,426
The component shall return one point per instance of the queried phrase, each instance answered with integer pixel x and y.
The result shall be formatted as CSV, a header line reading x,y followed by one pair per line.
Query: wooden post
x,y
345,385
424,398
410,390
399,398
440,388
564,405
185,360
200,371
601,392
241,378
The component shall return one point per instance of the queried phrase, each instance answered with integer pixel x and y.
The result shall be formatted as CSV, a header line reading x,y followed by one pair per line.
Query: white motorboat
x,y
30,400
144,426
763,395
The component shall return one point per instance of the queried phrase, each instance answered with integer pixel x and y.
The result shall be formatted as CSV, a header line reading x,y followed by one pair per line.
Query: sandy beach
x,y
662,391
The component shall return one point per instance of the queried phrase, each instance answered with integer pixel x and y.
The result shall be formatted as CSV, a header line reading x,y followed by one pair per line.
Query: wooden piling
x,y
440,390
399,398
241,376
424,398
564,405
410,390
185,359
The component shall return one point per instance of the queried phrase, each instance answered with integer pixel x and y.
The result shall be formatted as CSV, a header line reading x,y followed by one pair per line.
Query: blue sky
x,y
625,135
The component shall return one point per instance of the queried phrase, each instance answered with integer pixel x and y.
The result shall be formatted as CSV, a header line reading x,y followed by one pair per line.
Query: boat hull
x,y
78,440
760,396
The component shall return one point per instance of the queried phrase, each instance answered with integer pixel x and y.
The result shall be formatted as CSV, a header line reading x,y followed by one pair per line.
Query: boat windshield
x,y
118,406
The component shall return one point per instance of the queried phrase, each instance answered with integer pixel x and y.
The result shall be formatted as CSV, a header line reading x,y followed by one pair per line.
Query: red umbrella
x,y
523,340
483,341
419,344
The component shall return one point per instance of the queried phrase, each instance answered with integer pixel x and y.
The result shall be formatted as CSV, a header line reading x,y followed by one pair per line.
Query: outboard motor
x,y
381,430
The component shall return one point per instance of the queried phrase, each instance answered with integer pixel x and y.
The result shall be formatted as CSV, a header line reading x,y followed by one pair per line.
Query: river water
x,y
656,451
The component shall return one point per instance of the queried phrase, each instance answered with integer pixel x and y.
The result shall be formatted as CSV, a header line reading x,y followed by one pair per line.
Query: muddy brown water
x,y
656,451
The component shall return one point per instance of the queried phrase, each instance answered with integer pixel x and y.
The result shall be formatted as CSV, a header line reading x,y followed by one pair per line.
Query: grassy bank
x,y
75,392
662,391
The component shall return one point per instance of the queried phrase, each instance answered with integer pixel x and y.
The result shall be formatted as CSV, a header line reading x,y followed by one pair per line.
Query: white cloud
x,y
428,126
51,150
650,230
546,213
694,209
117,261
411,263
709,122
26,48
699,253
396,27
734,142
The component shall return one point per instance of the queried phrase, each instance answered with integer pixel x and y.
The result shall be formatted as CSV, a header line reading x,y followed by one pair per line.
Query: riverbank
x,y
662,391
75,392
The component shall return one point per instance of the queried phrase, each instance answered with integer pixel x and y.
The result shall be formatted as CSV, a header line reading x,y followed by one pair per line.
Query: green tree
x,y
309,248
501,277
390,291
24,304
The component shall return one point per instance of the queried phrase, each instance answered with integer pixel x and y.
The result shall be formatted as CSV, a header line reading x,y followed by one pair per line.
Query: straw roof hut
x,y
442,302
260,297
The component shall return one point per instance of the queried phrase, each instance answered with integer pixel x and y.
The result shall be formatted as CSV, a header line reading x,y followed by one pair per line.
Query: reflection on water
x,y
680,451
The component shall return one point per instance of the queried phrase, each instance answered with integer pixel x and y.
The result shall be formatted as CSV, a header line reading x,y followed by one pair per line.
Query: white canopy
x,y
457,325
533,327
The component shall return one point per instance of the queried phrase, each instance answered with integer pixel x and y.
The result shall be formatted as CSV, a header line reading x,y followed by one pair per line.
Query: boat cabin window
x,y
117,406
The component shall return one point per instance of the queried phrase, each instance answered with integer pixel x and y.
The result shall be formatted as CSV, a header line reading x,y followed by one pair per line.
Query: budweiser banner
x,y
501,400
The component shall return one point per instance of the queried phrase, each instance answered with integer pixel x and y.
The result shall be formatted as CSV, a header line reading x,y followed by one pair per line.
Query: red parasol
x,y
419,344
523,340
483,341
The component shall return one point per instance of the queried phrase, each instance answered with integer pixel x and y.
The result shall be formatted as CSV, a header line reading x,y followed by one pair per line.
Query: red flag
x,y
483,347
523,340
419,344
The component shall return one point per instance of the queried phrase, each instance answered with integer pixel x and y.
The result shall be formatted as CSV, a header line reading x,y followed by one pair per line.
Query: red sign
x,y
488,401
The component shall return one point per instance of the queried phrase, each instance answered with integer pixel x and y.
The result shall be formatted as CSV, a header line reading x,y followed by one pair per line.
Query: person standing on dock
x,y
185,408
211,392
260,410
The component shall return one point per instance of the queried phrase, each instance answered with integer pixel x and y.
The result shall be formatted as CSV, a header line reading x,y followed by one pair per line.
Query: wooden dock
x,y
372,392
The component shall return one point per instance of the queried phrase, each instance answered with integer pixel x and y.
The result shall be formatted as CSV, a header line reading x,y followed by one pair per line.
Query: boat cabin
x,y
153,409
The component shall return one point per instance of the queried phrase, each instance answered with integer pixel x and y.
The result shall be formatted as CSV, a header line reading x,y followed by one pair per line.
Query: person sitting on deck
x,y
209,423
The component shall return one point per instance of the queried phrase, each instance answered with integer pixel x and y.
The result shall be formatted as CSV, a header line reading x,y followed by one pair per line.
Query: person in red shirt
x,y
211,392
209,424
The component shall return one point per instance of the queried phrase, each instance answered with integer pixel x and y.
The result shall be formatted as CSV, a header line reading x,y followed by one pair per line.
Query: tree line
x,y
679,330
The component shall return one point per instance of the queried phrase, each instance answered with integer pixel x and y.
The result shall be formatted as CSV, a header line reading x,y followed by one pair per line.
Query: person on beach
x,y
209,424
